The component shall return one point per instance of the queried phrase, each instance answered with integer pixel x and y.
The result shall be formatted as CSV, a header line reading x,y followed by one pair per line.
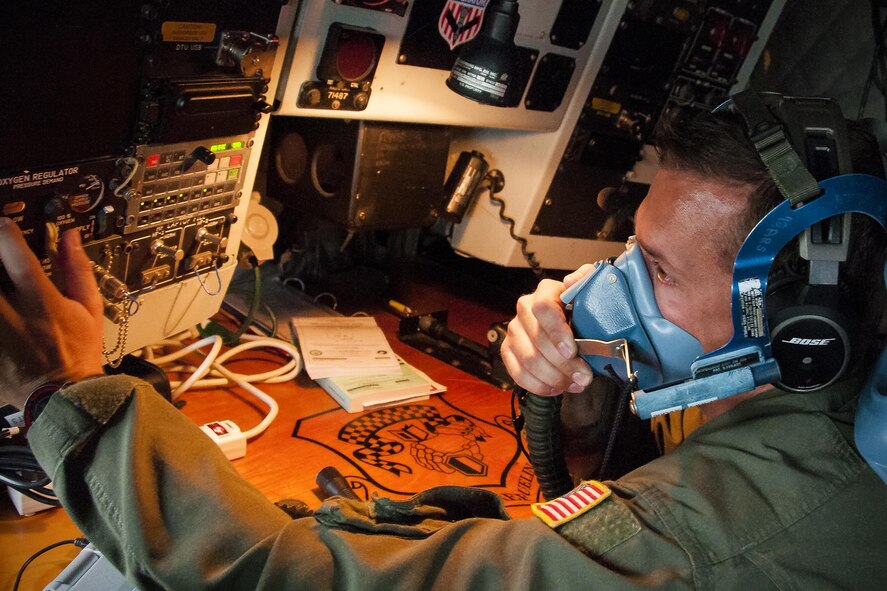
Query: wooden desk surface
x,y
462,437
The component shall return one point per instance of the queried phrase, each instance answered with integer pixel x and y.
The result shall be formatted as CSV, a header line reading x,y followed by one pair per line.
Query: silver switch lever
x,y
160,248
204,235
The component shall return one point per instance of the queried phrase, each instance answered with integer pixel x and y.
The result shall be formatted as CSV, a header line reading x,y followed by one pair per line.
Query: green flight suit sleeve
x,y
161,501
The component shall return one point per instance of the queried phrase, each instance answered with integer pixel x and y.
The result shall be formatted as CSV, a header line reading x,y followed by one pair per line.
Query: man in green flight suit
x,y
768,492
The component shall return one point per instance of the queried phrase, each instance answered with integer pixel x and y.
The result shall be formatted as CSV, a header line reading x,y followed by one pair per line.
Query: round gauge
x,y
356,56
89,193
291,158
328,166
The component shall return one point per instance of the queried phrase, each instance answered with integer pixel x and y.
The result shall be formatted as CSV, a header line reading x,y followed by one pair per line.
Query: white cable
x,y
213,366
272,404
202,369
278,375
134,167
281,374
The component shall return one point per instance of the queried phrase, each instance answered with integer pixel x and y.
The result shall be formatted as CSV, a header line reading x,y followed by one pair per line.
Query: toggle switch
x,y
160,248
204,235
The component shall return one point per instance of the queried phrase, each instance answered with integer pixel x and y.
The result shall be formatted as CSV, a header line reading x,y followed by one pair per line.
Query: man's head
x,y
712,188
715,146
681,228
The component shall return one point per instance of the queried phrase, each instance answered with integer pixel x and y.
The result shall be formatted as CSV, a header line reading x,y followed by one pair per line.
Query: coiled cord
x,y
496,182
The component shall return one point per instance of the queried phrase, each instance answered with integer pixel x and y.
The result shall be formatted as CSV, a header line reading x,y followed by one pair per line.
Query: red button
x,y
235,160
152,160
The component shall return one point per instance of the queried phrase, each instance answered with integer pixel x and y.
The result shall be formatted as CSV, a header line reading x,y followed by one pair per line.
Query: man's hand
x,y
46,335
539,350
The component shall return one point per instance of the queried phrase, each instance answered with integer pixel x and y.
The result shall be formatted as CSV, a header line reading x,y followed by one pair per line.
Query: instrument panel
x,y
144,136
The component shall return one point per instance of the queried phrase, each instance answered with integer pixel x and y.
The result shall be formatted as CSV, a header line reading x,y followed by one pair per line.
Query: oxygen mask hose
x,y
541,422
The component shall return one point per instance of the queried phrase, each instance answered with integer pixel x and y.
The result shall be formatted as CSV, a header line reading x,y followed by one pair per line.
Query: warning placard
x,y
187,32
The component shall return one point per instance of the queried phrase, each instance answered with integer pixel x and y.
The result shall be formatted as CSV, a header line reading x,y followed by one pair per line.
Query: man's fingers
x,y
20,263
553,324
524,378
80,284
530,361
577,275
543,312
10,320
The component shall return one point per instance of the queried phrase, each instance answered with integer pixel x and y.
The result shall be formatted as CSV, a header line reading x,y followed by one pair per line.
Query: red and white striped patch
x,y
573,504
460,21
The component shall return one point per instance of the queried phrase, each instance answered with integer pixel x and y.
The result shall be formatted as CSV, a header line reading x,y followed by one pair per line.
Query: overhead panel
x,y
419,43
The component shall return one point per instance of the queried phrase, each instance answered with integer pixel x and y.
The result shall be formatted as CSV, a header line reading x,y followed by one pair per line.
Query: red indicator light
x,y
235,160
152,160
717,34
741,39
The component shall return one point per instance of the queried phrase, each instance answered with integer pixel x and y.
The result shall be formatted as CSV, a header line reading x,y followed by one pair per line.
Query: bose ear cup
x,y
812,339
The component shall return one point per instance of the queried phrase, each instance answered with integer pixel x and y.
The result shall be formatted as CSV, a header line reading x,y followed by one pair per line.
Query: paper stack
x,y
344,346
359,393
351,359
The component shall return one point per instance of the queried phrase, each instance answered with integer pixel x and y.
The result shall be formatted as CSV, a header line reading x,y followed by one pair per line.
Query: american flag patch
x,y
573,504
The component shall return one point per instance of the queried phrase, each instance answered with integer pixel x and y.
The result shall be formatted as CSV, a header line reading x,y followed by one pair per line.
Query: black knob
x,y
204,155
54,207
333,484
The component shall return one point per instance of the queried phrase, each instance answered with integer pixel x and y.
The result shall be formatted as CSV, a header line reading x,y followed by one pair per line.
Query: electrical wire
x,y
517,420
255,302
626,388
20,470
79,542
877,75
129,163
212,373
334,303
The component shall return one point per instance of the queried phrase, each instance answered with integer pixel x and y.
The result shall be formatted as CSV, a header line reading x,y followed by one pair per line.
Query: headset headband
x,y
775,149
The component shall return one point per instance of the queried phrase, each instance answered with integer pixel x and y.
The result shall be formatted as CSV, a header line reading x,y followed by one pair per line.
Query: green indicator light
x,y
236,145
218,147
232,174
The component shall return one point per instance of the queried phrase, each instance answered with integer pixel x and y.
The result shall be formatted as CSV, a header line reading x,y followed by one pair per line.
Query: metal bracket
x,y
615,348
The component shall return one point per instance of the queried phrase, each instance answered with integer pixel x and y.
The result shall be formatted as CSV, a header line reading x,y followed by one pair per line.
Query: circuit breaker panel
x,y
137,127
664,56
572,192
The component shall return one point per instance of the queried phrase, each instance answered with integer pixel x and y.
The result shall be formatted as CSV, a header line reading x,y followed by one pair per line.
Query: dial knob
x,y
203,155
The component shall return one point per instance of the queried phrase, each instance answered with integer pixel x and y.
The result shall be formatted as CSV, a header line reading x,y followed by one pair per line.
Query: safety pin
x,y
134,305
218,279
